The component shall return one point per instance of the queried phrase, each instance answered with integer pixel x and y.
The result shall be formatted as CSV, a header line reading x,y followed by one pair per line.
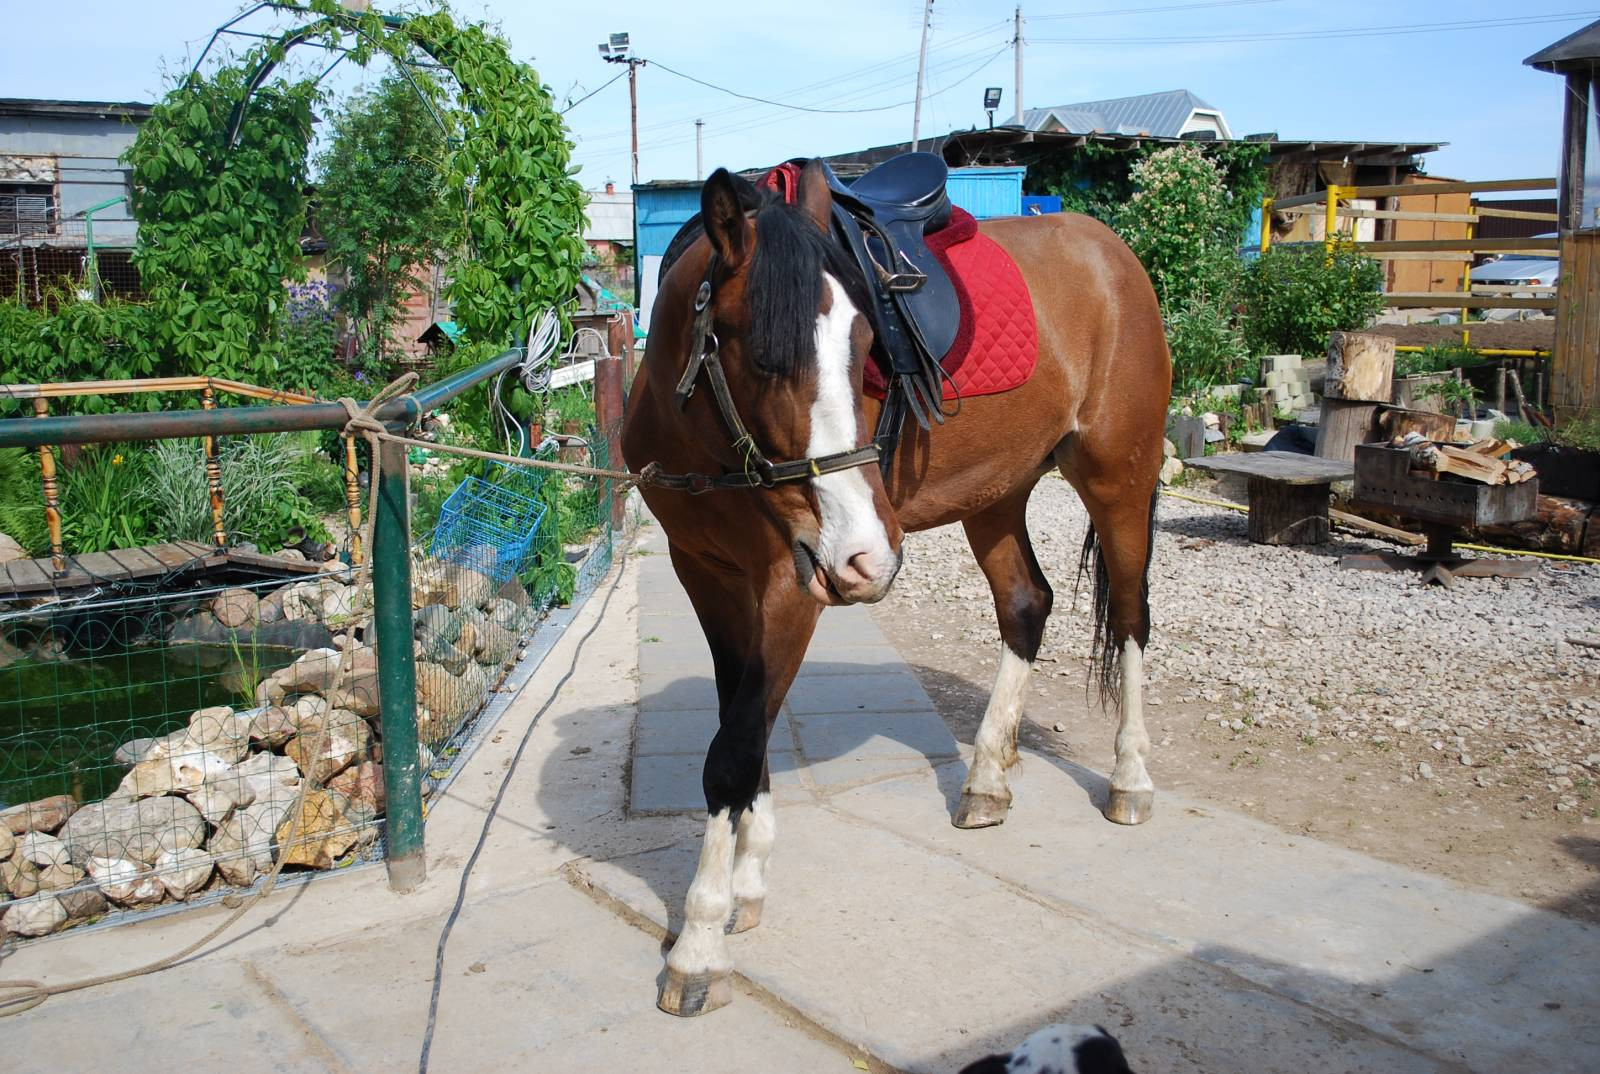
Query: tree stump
x,y
1343,425
1284,513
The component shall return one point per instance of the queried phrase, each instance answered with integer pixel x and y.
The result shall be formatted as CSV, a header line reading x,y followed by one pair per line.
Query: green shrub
x,y
1435,359
1180,223
101,497
1207,347
262,501
1294,296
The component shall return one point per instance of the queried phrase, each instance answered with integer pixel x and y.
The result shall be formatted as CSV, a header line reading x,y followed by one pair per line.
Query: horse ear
x,y
722,212
814,196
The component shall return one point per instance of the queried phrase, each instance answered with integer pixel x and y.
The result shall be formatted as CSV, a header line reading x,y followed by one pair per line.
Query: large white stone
x,y
124,882
38,916
183,872
43,850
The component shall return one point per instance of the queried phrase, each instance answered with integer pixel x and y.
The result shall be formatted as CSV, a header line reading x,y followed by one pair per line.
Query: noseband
x,y
759,471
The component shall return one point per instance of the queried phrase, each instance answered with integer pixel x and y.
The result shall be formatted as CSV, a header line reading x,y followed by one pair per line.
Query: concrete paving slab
x,y
1471,978
892,691
975,962
690,731
846,627
855,659
825,736
665,691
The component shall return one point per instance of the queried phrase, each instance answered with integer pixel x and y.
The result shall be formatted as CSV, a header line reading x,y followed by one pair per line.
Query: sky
x,y
1359,70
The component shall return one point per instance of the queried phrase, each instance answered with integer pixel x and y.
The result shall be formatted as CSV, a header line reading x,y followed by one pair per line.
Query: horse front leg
x,y
757,646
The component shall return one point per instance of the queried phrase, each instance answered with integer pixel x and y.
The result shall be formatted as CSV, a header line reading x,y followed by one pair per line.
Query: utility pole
x,y
922,67
618,50
1017,50
699,154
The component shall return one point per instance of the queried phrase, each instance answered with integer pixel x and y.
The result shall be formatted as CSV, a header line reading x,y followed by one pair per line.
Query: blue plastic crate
x,y
488,528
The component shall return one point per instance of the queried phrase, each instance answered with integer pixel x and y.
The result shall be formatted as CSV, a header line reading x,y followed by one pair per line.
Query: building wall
x,y
86,151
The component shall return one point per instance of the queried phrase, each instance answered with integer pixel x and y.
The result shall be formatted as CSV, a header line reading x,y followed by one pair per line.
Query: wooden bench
x,y
1288,492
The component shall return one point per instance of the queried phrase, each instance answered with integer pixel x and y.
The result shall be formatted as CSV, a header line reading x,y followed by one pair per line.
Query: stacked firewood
x,y
1483,461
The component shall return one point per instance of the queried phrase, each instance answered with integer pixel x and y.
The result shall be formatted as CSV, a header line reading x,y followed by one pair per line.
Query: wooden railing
x,y
1332,204
208,387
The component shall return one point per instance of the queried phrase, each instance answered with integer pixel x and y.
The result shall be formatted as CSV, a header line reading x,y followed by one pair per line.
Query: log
x,y
1398,421
1343,425
1558,525
1360,366
1377,529
1285,513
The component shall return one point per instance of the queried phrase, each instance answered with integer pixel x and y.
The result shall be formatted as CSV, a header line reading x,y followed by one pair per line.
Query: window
x,y
27,209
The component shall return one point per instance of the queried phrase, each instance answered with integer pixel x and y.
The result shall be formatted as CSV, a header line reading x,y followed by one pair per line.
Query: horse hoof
x,y
689,994
1130,807
746,916
981,810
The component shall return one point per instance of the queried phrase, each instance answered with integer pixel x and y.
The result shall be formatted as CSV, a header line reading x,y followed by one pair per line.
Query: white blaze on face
x,y
850,525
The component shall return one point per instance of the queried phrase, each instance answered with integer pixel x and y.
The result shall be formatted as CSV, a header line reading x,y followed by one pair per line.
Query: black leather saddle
x,y
883,218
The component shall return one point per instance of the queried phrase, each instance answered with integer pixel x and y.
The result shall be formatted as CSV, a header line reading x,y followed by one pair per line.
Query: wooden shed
x,y
1575,365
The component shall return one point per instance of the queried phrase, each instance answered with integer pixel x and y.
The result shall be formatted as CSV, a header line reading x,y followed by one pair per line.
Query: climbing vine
x,y
220,223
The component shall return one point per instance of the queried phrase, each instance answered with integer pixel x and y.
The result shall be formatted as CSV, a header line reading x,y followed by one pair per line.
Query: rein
x,y
759,471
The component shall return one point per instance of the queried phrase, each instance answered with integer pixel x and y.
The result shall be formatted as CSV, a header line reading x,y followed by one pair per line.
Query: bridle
x,y
759,471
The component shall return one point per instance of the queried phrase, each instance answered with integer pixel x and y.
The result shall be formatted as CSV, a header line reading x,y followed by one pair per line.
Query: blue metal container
x,y
488,528
987,192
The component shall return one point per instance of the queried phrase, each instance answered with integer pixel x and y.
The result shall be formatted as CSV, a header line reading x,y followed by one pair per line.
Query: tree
x,y
383,202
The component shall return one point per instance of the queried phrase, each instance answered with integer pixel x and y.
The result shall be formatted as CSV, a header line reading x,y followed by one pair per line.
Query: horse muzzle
x,y
864,577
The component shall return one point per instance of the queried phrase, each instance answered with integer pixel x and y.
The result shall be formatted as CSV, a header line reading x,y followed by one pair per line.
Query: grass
x,y
1582,434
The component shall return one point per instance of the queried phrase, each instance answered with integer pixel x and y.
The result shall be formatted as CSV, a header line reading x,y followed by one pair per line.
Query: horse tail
x,y
1105,667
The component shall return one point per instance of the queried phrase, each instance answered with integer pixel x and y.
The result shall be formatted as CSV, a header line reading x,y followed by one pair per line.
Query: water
x,y
62,719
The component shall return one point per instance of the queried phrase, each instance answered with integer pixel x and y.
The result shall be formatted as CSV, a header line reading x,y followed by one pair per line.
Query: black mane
x,y
784,287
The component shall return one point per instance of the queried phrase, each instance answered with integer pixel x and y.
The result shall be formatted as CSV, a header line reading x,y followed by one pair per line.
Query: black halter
x,y
759,471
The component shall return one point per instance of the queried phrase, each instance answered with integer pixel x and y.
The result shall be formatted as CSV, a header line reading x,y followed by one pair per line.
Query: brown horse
x,y
767,308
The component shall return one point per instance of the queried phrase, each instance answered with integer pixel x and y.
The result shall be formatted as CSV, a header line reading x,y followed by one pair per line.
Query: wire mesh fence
x,y
44,254
159,748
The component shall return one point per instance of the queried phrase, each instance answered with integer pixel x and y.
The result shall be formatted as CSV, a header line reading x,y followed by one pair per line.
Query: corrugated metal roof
x,y
1161,115
610,217
1581,49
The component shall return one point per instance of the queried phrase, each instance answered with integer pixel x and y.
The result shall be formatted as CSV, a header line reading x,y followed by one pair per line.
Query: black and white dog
x,y
1059,1049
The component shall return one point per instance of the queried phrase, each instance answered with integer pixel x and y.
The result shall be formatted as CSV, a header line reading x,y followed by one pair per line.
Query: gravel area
x,y
1286,653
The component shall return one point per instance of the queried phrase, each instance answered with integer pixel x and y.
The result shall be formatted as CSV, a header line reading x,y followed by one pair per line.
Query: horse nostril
x,y
861,568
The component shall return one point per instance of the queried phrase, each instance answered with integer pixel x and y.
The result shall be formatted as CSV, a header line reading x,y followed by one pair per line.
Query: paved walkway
x,y
1208,942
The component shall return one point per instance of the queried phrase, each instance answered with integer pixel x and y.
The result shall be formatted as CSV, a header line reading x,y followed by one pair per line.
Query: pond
x,y
63,713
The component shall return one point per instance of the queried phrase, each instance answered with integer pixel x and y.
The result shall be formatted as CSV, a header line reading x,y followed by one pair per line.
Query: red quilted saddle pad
x,y
997,346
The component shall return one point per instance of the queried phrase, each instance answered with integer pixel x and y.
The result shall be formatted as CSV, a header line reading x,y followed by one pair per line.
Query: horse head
x,y
780,322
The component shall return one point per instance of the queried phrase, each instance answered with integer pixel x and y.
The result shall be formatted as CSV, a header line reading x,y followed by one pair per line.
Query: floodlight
x,y
991,98
619,42
605,49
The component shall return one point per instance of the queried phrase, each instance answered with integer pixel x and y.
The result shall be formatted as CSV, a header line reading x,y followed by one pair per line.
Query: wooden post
x,y
352,501
619,341
1500,389
1360,376
219,535
608,417
52,503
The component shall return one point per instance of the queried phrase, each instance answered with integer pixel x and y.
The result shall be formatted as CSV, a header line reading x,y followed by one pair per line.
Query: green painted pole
x,y
397,671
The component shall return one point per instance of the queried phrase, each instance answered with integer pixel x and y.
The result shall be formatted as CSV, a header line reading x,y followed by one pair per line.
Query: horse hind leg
x,y
755,835
1022,598
1117,552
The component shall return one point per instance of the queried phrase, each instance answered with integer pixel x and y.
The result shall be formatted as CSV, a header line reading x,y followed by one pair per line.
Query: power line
x,y
1321,34
1149,10
870,70
591,93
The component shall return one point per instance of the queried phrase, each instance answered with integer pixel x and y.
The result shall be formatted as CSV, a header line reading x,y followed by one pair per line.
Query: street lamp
x,y
618,49
991,101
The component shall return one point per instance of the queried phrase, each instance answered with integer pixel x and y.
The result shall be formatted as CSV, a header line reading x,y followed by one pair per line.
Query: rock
x,y
124,882
222,732
132,751
139,830
1169,449
1170,469
59,877
321,752
358,689
268,777
10,550
41,849
35,917
339,605
323,834
216,799
20,878
8,844
183,872
1424,770
45,815
82,903
465,588
362,783
235,608
146,780
312,673
291,554
446,654
230,851
437,623
496,644
270,691
196,767
309,710
448,697
271,727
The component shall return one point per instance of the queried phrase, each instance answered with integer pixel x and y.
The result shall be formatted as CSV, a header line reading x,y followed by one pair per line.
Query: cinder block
x,y
1286,361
